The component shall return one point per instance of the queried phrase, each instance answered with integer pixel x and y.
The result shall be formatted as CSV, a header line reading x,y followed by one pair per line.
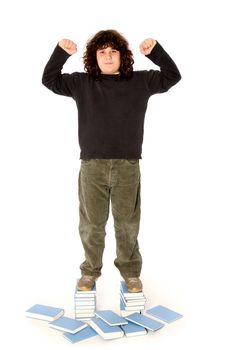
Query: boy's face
x,y
108,60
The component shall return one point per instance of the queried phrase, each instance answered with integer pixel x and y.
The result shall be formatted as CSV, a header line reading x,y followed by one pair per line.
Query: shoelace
x,y
88,278
133,279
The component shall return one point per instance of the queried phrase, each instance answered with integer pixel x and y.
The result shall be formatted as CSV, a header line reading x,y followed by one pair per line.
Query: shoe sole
x,y
134,290
85,289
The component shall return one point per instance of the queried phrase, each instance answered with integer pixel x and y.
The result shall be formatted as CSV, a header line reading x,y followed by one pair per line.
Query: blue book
x,y
145,321
84,334
131,307
104,330
132,329
85,302
126,312
164,314
111,318
132,302
67,324
140,299
44,312
126,293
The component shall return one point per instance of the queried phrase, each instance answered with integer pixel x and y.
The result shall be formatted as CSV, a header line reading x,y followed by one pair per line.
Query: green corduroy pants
x,y
102,181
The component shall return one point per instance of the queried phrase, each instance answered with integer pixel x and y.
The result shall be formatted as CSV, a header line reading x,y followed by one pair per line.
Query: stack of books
x,y
84,303
131,302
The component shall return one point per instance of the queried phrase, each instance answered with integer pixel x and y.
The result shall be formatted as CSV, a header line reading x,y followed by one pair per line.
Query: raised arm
x,y
168,75
53,79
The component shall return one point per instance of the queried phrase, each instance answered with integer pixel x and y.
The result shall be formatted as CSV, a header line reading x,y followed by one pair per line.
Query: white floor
x,y
190,287
187,188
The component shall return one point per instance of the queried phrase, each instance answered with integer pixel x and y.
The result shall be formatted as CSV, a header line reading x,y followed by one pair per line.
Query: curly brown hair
x,y
101,40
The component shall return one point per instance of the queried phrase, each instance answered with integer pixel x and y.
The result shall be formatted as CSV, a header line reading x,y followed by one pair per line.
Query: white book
x,y
44,312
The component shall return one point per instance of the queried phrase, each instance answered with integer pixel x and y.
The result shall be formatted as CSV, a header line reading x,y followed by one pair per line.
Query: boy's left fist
x,y
147,46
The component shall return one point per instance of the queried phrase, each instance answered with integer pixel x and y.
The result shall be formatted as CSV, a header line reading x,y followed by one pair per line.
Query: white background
x,y
187,172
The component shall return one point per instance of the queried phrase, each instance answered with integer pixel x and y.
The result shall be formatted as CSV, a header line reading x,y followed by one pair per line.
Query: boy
x,y
111,99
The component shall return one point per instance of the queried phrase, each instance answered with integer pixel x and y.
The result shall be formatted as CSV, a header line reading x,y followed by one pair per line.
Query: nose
x,y
108,54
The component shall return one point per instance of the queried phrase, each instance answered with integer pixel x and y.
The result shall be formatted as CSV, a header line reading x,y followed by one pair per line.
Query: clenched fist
x,y
147,46
68,45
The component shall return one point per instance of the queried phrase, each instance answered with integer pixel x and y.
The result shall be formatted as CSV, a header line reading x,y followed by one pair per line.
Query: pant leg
x,y
93,214
125,202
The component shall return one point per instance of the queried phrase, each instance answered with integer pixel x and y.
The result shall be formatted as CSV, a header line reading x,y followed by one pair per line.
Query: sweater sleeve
x,y
53,79
162,80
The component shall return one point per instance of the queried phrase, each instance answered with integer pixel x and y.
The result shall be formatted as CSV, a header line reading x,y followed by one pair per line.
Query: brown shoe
x,y
133,284
86,283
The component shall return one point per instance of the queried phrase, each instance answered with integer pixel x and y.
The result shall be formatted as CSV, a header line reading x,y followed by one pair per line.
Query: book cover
x,y
104,330
67,324
132,329
111,318
44,312
126,293
145,321
164,314
84,334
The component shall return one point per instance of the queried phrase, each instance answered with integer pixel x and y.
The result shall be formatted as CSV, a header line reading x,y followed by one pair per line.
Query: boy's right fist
x,y
68,45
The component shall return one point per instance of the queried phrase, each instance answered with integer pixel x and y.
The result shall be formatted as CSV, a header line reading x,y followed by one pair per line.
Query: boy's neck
x,y
110,73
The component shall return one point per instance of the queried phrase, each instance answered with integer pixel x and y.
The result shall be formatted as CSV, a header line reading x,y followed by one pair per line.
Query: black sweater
x,y
111,111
